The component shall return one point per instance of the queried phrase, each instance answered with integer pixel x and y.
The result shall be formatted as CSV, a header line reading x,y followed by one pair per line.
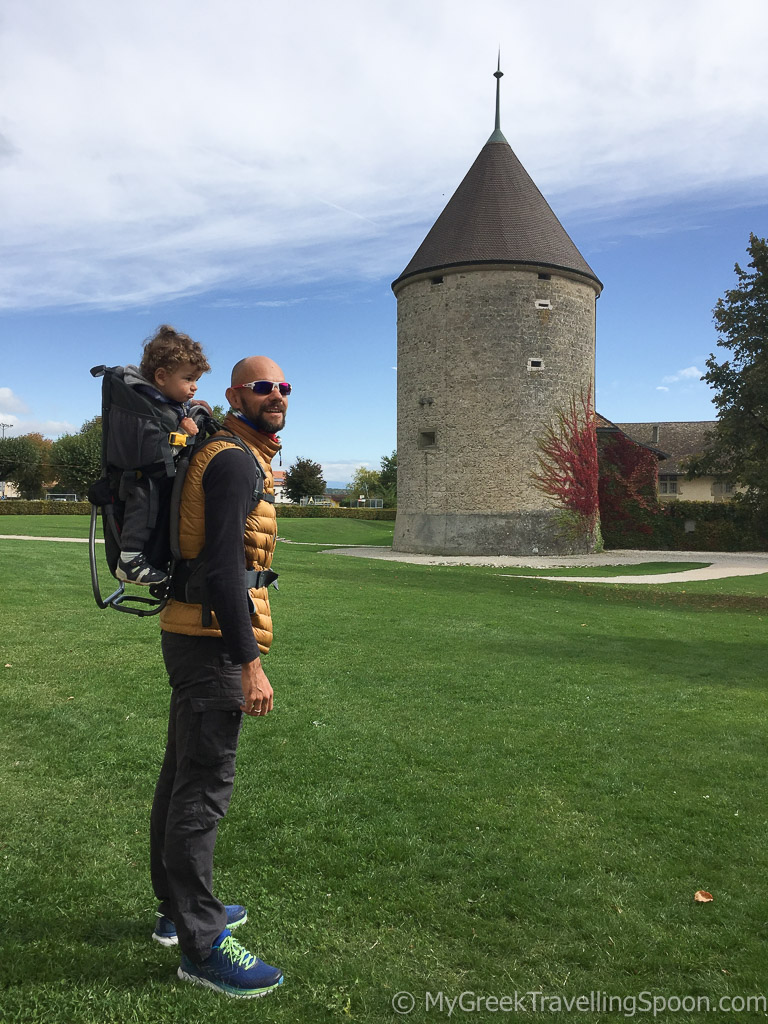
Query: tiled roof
x,y
608,427
680,440
497,215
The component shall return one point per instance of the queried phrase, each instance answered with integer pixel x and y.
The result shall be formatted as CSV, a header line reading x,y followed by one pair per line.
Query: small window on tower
x,y
437,280
545,277
427,439
543,304
535,364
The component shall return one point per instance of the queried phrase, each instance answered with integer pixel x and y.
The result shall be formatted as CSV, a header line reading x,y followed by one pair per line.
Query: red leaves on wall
x,y
568,461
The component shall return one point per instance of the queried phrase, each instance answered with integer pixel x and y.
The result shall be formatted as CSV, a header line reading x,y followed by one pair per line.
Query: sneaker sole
x,y
234,993
173,940
124,578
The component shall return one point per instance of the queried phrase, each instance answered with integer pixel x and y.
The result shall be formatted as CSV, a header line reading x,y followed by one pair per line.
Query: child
x,y
170,368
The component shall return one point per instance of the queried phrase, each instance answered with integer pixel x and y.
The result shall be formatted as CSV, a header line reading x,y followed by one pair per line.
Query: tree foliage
x,y
76,458
304,479
738,452
388,474
366,482
25,461
568,465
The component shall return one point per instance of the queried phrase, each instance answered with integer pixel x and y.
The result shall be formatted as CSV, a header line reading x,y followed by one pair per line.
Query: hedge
x,y
20,507
712,526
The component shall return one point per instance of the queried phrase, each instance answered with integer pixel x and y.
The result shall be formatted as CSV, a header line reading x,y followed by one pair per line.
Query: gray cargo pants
x,y
195,786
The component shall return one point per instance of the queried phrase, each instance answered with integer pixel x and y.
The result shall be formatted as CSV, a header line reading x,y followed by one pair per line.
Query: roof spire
x,y
498,74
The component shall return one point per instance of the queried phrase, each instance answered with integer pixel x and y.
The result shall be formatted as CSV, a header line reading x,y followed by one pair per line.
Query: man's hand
x,y
257,690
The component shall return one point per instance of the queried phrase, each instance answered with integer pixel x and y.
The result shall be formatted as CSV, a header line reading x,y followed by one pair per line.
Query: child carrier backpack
x,y
136,444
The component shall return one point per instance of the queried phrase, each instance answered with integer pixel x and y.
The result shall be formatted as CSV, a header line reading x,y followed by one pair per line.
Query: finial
x,y
498,74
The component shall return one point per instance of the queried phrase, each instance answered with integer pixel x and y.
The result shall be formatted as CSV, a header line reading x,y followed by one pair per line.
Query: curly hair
x,y
169,349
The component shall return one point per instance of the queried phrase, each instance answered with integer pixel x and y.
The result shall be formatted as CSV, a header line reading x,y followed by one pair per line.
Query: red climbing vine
x,y
568,470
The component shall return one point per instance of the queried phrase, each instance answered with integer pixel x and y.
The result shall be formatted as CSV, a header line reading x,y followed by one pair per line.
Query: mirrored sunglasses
x,y
266,387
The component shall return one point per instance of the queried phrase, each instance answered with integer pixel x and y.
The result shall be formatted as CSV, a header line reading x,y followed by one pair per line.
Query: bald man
x,y
215,632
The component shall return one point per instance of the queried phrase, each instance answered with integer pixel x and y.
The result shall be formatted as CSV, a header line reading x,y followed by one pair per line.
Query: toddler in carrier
x,y
170,368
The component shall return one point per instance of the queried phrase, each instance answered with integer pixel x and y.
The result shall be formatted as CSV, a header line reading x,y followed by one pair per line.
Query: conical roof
x,y
497,215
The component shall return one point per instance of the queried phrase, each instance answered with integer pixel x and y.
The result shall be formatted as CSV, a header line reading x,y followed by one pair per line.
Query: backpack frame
x,y
136,443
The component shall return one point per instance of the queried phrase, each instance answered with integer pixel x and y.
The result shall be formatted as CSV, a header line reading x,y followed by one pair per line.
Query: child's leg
x,y
133,566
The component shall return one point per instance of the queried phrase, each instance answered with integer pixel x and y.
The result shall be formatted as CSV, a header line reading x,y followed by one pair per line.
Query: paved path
x,y
722,564
62,540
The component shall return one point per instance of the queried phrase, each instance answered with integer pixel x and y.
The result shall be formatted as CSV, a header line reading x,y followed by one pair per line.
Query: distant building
x,y
280,495
679,441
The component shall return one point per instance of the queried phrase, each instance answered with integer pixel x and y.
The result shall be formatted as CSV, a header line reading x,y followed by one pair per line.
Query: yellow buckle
x,y
177,440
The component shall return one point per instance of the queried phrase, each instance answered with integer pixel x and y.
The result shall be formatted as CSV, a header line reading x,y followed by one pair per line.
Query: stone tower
x,y
495,333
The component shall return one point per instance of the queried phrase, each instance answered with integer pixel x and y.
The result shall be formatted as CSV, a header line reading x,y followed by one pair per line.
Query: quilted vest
x,y
259,539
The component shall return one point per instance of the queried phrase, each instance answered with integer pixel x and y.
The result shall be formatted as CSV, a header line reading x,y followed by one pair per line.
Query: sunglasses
x,y
266,387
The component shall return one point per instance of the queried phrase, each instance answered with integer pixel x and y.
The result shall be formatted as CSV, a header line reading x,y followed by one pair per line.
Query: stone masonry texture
x,y
472,406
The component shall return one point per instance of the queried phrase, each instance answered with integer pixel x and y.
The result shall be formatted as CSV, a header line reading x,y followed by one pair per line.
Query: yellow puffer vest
x,y
259,539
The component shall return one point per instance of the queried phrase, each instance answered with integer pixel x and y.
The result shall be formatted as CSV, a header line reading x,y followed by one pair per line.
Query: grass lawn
x,y
314,531
469,783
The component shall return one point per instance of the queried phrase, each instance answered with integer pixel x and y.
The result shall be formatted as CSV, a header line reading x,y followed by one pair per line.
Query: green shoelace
x,y
237,953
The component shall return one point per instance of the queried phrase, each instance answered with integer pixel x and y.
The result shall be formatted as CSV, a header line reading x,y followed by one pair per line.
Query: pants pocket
x,y
217,730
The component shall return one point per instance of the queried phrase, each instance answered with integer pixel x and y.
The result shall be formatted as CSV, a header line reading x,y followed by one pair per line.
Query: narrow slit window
x,y
543,304
545,277
535,364
437,280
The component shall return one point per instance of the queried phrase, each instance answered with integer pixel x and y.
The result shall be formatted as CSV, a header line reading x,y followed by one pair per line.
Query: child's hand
x,y
188,425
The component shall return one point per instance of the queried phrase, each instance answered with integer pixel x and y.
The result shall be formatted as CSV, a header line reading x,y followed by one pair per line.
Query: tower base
x,y
513,533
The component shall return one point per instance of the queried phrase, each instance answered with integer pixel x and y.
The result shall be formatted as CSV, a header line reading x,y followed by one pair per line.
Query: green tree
x,y
738,452
365,481
388,479
25,462
76,458
388,474
304,479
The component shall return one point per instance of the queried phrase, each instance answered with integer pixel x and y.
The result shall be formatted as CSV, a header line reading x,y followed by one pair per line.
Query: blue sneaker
x,y
165,929
231,969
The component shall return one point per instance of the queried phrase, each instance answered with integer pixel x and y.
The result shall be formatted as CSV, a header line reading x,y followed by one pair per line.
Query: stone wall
x,y
486,356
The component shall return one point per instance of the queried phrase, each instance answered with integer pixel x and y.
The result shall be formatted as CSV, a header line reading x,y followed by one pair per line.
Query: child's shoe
x,y
133,567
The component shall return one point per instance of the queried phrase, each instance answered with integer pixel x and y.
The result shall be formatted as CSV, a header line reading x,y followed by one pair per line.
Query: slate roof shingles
x,y
497,215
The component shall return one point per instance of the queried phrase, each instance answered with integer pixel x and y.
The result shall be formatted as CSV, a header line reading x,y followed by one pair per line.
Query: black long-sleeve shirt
x,y
228,484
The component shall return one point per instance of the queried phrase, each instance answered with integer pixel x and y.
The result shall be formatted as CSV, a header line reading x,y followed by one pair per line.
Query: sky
x,y
258,174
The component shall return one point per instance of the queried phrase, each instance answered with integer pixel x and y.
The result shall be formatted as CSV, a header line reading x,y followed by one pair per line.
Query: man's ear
x,y
233,398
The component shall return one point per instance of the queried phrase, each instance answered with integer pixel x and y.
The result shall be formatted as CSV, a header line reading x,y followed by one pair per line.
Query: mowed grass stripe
x,y
312,531
468,783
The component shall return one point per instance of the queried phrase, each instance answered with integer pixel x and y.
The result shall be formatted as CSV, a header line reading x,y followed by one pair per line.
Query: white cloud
x,y
662,389
11,403
689,373
15,426
166,149
344,470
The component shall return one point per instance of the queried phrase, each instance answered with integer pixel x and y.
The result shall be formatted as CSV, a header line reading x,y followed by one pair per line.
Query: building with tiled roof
x,y
679,441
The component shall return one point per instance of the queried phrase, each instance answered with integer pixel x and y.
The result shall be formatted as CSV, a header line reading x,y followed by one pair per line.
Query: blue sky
x,y
257,176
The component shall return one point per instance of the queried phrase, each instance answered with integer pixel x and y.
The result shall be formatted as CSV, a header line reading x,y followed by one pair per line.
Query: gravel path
x,y
722,564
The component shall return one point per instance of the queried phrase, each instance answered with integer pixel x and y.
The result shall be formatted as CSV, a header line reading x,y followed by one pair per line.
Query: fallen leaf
x,y
702,896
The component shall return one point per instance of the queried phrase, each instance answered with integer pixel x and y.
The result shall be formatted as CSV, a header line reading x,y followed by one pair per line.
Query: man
x,y
212,654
